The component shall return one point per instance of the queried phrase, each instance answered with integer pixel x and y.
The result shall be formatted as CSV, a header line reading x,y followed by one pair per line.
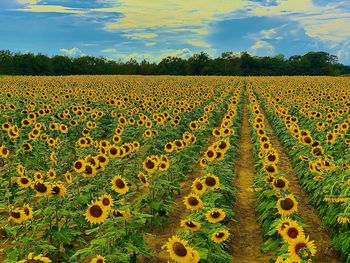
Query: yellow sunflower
x,y
190,224
37,259
302,249
16,215
220,236
211,181
96,213
287,205
119,184
193,202
215,215
292,232
178,250
106,201
98,259
198,186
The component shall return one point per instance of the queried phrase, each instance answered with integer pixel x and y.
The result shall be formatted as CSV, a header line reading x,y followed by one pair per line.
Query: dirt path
x,y
317,232
160,235
246,232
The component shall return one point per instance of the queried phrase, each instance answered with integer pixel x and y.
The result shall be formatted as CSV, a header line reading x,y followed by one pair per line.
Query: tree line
x,y
228,64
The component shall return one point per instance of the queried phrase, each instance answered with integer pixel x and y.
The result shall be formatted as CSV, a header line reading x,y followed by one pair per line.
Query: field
x,y
174,169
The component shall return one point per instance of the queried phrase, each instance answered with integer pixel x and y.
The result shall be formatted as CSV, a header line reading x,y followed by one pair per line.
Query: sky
x,y
154,29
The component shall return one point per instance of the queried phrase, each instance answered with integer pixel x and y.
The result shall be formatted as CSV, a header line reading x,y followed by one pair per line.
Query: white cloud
x,y
261,45
73,52
109,50
51,9
28,2
141,35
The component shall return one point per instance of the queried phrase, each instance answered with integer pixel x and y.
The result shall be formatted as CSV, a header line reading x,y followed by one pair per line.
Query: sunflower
x,y
198,186
270,168
16,215
24,181
89,170
164,165
20,169
283,223
143,178
287,205
292,231
272,157
96,213
51,174
98,259
215,215
4,152
68,177
119,184
150,165
178,250
37,259
41,188
106,201
27,211
211,181
121,213
193,202
220,236
58,189
280,183
79,166
190,224
302,249
210,154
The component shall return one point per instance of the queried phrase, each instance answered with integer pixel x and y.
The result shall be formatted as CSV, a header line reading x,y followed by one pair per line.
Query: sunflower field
x,y
174,169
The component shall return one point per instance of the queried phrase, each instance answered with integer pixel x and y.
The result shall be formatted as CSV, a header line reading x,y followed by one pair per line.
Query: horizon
x,y
124,29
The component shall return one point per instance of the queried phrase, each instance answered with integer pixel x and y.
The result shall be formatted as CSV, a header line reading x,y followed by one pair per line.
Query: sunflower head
x,y
220,236
96,213
193,202
215,215
287,205
190,225
211,181
119,184
106,200
198,186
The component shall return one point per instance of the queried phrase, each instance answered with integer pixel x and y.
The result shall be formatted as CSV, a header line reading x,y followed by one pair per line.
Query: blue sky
x,y
124,29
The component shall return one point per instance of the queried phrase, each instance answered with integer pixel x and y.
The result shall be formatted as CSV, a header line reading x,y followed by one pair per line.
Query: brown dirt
x,y
247,237
314,228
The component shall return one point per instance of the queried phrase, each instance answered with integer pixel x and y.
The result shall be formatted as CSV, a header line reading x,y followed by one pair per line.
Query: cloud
x,y
262,45
198,43
109,50
51,9
144,35
326,23
28,2
73,52
154,56
150,44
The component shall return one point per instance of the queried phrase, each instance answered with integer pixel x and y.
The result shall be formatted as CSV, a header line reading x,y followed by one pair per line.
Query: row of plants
x,y
324,177
277,206
203,234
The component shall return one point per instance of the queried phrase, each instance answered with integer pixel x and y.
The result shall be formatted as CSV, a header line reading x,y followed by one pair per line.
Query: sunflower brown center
x,y
199,186
24,180
143,179
179,249
193,201
215,214
190,224
105,201
119,183
280,183
88,169
270,169
220,235
150,164
210,154
15,214
40,187
210,181
293,232
33,261
78,165
56,190
272,158
287,204
99,261
96,211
